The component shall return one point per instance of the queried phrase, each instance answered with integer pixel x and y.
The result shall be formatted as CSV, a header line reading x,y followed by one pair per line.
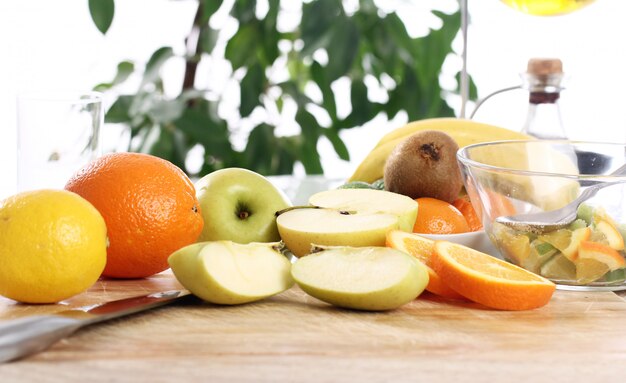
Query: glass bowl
x,y
506,178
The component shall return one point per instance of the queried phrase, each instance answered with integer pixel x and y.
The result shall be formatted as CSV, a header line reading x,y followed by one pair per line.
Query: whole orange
x,y
149,206
438,217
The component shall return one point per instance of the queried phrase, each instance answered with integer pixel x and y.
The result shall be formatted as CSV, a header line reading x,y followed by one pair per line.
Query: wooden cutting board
x,y
578,336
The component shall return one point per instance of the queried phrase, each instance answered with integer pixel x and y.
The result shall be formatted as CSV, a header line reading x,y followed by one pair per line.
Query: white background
x,y
53,45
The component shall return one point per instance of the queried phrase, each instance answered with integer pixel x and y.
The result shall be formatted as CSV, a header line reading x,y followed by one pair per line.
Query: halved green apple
x,y
362,278
304,227
370,201
229,273
346,217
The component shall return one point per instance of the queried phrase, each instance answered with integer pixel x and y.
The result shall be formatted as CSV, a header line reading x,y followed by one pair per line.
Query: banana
x,y
464,132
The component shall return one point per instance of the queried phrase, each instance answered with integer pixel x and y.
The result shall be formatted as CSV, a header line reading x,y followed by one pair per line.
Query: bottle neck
x,y
540,97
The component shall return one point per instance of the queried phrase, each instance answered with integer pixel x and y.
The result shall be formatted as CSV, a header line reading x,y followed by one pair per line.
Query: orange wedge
x,y
613,236
601,253
487,280
421,248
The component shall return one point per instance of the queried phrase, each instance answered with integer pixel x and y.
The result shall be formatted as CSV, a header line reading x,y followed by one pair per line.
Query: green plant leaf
x,y
102,12
319,76
340,147
124,70
208,39
258,153
209,7
197,124
270,34
473,90
342,48
308,149
318,18
291,89
118,112
156,61
309,127
252,87
361,106
158,142
163,111
241,48
311,160
244,11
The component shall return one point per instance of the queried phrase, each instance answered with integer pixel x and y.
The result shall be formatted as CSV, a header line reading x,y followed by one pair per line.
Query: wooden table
x,y
291,337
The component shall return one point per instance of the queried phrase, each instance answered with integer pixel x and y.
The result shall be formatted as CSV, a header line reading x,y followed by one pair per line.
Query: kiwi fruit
x,y
425,165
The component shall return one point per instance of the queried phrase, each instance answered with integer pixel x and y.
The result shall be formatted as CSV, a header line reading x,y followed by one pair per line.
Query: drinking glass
x,y
57,133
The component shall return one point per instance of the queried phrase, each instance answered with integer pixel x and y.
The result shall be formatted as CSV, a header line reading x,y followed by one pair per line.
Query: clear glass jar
x,y
543,81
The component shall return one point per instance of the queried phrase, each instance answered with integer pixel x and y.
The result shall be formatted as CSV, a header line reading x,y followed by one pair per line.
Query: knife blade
x,y
29,335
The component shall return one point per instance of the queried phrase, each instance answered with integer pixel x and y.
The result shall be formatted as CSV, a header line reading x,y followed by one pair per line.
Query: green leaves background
x,y
366,43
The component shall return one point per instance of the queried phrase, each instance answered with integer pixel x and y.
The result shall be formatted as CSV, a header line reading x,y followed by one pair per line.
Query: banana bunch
x,y
464,132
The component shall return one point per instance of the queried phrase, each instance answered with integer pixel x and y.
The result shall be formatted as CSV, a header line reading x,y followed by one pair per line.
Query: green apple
x,y
229,273
370,201
239,205
363,278
346,217
302,228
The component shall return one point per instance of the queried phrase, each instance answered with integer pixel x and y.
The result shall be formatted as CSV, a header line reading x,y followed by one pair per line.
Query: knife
x,y
30,335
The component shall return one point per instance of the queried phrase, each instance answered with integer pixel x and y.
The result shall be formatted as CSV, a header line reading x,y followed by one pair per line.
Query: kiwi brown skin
x,y
425,165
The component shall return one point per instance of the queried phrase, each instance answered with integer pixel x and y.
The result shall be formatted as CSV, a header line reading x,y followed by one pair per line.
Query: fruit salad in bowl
x,y
590,251
515,179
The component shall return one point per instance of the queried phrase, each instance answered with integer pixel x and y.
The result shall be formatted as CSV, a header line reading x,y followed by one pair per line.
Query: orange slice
x,y
488,280
421,248
613,236
601,253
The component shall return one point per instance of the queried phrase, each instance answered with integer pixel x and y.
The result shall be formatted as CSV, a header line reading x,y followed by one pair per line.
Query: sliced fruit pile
x,y
589,251
457,271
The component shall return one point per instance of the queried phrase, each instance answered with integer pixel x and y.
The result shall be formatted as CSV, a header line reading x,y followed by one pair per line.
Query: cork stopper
x,y
544,66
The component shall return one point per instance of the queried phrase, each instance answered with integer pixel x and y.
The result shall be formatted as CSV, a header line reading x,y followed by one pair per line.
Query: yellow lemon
x,y
52,246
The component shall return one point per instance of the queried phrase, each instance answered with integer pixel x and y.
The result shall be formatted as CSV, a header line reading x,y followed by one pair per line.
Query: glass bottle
x,y
543,81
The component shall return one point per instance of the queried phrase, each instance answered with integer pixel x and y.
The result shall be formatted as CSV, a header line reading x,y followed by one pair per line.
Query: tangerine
x,y
464,205
438,217
149,206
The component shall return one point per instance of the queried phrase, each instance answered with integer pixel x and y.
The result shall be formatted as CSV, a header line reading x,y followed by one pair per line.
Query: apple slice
x,y
370,201
229,273
301,228
365,278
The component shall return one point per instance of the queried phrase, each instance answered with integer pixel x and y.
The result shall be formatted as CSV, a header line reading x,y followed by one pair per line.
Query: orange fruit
x,y
464,205
488,280
421,248
438,217
149,206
